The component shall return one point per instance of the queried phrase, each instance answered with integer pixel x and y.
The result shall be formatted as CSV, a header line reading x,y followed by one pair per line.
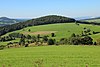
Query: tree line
x,y
86,22
38,40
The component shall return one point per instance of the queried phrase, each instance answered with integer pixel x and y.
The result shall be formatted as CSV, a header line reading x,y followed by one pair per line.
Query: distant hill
x,y
7,21
83,18
92,20
51,19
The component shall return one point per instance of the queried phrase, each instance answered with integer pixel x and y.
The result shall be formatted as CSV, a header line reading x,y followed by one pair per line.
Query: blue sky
x,y
36,8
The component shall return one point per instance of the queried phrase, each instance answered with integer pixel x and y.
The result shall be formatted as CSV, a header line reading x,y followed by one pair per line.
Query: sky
x,y
37,8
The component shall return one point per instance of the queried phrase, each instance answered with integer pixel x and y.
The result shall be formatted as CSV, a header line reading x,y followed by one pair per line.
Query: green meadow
x,y
61,30
51,56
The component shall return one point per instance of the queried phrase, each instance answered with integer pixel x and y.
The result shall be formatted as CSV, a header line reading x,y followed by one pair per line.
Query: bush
x,y
52,34
51,42
73,35
95,43
26,45
28,36
87,40
75,40
63,41
29,30
45,38
2,47
98,41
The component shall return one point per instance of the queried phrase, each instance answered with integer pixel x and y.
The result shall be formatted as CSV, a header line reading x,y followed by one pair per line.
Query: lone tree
x,y
95,43
29,30
52,34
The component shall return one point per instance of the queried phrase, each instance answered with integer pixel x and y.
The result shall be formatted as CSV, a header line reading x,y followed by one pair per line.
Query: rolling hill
x,y
51,19
50,56
92,20
7,21
61,30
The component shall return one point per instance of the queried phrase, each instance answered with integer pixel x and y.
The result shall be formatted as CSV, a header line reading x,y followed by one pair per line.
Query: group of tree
x,y
6,38
74,39
77,40
25,40
88,31
51,19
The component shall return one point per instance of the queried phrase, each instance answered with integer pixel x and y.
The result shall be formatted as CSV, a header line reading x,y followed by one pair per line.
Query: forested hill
x,y
51,19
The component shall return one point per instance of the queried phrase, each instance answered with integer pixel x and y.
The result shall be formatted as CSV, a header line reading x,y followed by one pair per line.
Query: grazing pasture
x,y
51,56
61,30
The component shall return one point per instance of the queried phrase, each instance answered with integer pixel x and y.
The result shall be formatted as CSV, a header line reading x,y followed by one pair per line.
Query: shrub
x,y
2,47
38,37
98,41
95,43
29,30
87,40
75,40
52,34
73,35
51,42
45,38
26,45
28,36
63,41
22,41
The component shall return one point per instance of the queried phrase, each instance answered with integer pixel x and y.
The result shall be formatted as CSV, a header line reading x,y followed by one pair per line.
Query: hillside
x,y
61,30
51,19
93,20
8,21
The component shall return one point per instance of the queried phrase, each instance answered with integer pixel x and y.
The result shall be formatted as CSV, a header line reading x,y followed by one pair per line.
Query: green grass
x,y
63,29
52,56
94,20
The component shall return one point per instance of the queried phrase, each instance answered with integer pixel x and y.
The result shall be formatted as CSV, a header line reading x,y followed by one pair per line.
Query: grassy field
x,y
61,30
51,56
94,20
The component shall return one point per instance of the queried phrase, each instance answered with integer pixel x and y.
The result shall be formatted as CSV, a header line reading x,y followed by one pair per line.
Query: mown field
x,y
51,56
